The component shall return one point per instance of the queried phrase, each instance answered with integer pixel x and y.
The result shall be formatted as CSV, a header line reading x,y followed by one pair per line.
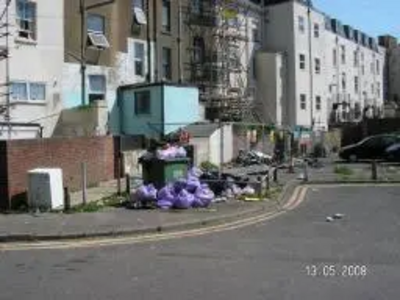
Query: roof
x,y
153,84
201,130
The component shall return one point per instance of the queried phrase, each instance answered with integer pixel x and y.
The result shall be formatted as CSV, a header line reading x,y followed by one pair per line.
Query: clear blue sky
x,y
374,17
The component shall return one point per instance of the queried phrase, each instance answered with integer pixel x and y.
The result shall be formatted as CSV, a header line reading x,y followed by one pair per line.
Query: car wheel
x,y
353,158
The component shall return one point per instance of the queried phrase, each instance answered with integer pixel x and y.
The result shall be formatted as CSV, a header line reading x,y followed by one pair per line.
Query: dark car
x,y
373,147
393,153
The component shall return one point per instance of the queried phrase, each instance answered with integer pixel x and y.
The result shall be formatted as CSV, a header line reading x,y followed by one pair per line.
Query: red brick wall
x,y
64,153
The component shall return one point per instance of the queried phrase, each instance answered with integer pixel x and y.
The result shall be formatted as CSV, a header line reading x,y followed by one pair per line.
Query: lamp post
x,y
83,9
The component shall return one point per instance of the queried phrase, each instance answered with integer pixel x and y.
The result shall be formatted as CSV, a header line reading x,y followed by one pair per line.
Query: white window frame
x,y
318,103
302,61
356,84
169,63
28,91
317,65
103,30
303,102
343,54
141,60
166,21
301,24
27,27
316,30
98,92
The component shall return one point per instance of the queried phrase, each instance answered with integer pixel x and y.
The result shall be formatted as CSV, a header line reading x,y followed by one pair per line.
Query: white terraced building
x,y
313,69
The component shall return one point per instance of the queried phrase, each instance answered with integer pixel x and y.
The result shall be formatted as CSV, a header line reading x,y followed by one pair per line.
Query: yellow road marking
x,y
103,242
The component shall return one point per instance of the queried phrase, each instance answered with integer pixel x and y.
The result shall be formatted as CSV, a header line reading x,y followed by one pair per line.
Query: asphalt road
x,y
295,256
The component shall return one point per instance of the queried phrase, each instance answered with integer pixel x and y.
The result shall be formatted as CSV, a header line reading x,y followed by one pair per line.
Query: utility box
x,y
45,189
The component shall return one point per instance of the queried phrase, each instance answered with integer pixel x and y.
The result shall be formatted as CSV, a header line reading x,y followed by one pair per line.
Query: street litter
x,y
338,216
329,219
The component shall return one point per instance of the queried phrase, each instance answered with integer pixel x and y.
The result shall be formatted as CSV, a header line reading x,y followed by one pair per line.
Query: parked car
x,y
373,147
393,153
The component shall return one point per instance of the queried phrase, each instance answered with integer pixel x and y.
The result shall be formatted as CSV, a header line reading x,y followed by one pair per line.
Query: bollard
x,y
67,199
260,187
275,175
84,182
291,166
374,169
305,165
128,184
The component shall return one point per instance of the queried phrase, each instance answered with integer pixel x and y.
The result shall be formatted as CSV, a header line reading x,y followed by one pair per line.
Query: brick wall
x,y
20,156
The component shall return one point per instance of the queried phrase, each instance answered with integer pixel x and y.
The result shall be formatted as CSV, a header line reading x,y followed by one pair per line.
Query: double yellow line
x,y
296,199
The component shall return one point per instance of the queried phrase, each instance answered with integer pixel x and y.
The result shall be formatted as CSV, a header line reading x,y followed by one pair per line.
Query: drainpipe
x,y
156,50
180,71
149,49
310,48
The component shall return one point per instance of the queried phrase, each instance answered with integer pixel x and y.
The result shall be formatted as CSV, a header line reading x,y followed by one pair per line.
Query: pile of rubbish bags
x,y
171,152
183,194
198,190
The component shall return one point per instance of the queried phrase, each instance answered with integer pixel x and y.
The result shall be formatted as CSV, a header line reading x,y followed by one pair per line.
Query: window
x,y
316,30
372,88
256,35
26,91
166,15
363,70
142,103
138,4
355,58
96,31
196,7
139,59
343,54
166,63
344,81
26,19
303,104
356,85
97,87
37,91
318,103
377,67
372,68
95,23
19,91
378,89
301,24
302,62
198,48
317,66
334,57
139,17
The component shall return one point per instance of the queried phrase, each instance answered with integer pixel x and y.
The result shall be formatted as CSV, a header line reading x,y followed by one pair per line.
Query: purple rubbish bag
x,y
179,185
146,192
195,172
192,184
184,200
204,195
166,193
165,203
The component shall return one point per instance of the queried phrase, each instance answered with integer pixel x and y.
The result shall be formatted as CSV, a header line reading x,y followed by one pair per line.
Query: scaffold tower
x,y
5,92
219,57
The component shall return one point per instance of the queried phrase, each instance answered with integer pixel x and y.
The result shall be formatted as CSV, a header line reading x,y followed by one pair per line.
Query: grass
x,y
112,201
343,171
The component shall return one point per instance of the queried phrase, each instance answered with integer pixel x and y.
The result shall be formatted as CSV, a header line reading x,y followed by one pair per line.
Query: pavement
x,y
121,221
295,256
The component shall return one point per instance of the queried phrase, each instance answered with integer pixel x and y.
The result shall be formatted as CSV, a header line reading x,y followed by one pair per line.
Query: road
x,y
273,260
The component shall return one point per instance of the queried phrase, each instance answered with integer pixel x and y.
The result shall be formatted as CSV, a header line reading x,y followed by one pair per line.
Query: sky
x,y
374,17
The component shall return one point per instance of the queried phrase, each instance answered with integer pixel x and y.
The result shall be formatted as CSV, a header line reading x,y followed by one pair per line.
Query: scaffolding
x,y
219,59
5,92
